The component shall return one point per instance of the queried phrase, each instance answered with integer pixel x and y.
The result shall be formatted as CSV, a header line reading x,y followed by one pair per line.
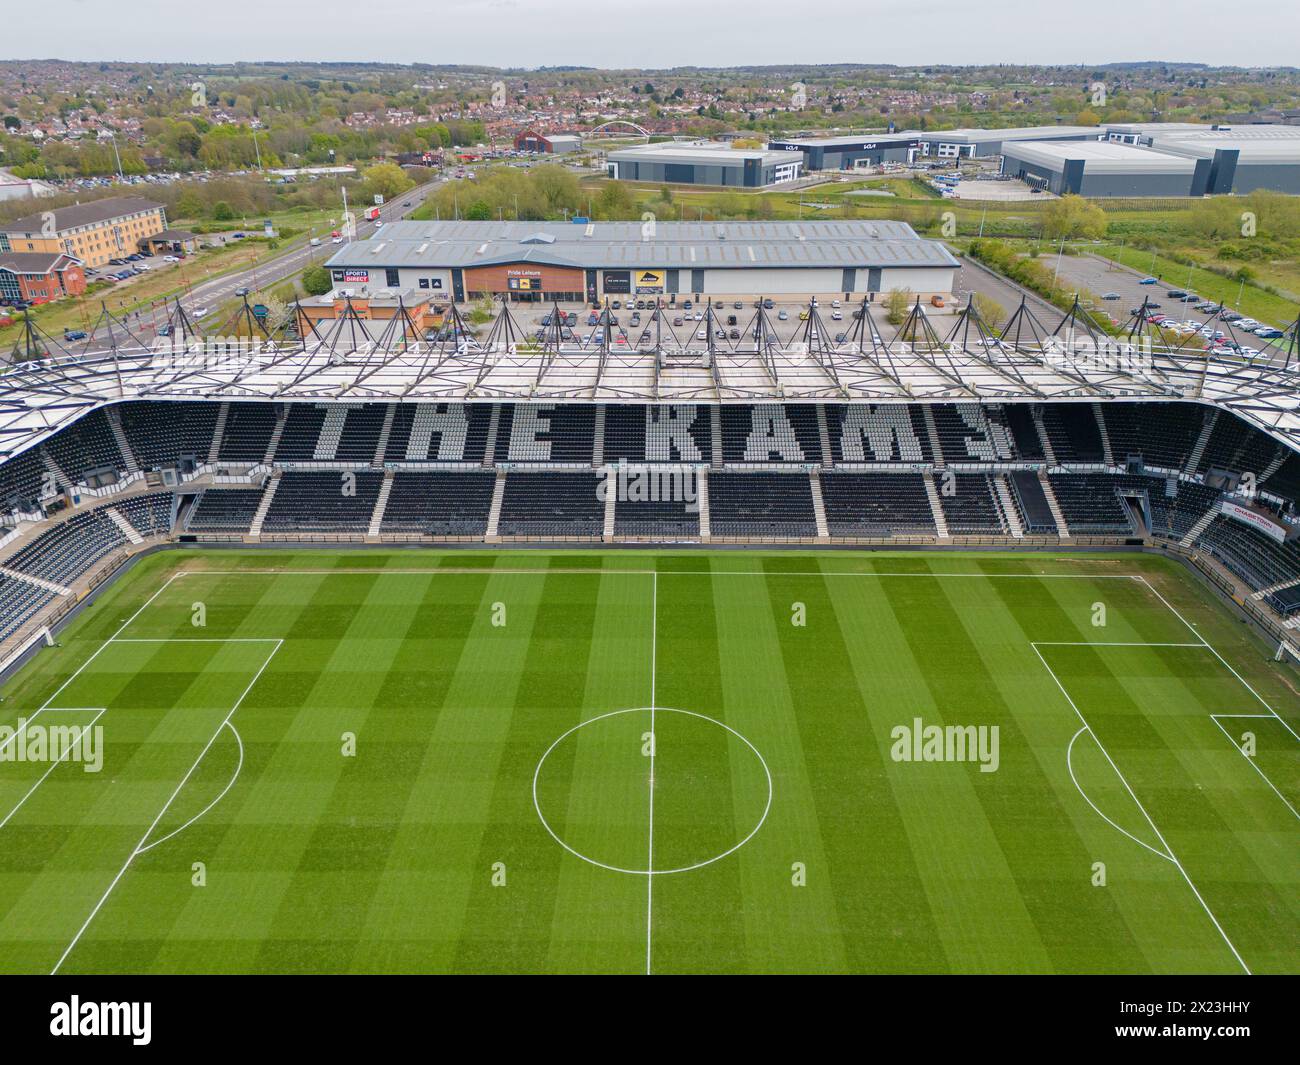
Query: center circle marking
x,y
767,806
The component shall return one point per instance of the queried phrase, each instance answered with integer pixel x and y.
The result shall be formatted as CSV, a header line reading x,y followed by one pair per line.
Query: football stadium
x,y
929,648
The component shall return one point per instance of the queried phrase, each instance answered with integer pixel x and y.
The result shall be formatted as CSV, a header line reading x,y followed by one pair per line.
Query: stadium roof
x,y
351,360
631,244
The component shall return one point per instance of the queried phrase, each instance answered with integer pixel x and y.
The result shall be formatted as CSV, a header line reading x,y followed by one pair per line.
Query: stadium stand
x,y
248,432
873,505
1179,460
1073,433
169,434
762,504
971,508
439,503
224,510
324,501
551,504
1091,503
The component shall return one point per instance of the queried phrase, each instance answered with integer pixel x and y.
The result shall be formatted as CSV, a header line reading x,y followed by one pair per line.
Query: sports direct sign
x,y
1255,521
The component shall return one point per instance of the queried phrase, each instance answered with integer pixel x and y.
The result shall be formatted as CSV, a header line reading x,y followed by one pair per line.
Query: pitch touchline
x,y
654,746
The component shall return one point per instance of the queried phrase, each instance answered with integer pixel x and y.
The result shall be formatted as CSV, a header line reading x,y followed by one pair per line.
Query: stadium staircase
x,y
819,505
932,431
498,496
38,582
936,508
281,419
259,516
824,435
1107,455
56,471
490,450
715,435
598,439
1265,592
1274,465
128,530
385,431
1049,454
702,488
1058,516
331,432
1202,523
381,503
1198,449
1010,513
124,445
611,497
218,433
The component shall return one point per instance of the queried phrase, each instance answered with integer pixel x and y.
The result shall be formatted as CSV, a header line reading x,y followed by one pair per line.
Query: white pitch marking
x,y
53,765
1127,787
1070,766
1253,763
166,806
98,651
654,746
239,766
1220,657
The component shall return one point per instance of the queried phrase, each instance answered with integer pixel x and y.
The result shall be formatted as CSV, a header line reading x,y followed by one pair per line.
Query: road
x,y
212,293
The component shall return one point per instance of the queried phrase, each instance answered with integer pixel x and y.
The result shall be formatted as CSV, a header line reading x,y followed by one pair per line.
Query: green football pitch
x,y
641,761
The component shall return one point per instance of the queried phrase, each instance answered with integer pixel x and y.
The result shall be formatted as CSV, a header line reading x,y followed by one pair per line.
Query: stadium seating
x,y
224,510
885,432
323,502
1253,556
971,508
873,505
86,445
169,434
248,432
761,504
19,602
552,504
1090,503
1073,433
439,503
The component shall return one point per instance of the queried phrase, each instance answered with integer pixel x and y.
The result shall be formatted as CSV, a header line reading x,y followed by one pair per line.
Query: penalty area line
x,y
1150,821
140,847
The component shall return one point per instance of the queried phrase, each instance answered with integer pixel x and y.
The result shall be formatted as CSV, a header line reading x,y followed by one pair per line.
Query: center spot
x,y
597,788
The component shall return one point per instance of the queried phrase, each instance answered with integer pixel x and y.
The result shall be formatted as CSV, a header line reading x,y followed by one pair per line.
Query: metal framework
x,y
50,383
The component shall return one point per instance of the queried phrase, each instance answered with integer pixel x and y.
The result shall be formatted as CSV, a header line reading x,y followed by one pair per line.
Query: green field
x,y
623,762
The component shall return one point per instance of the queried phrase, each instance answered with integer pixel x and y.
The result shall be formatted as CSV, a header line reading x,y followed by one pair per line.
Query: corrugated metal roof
x,y
667,244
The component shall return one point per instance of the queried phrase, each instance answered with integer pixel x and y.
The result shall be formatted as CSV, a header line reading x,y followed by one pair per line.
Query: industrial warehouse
x,y
1103,168
543,261
703,164
852,153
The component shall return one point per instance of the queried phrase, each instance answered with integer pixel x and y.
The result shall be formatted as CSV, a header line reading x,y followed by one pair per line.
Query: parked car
x,y
1149,281
1110,295
73,334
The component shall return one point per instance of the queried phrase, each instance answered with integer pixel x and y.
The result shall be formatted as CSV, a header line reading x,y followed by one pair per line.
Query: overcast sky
x,y
660,34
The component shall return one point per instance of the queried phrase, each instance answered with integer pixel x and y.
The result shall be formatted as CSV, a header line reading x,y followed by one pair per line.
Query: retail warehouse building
x,y
704,164
543,261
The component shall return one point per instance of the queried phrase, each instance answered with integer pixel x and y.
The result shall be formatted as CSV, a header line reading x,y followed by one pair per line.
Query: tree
x,y
993,314
898,305
316,280
1073,217
223,212
387,180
